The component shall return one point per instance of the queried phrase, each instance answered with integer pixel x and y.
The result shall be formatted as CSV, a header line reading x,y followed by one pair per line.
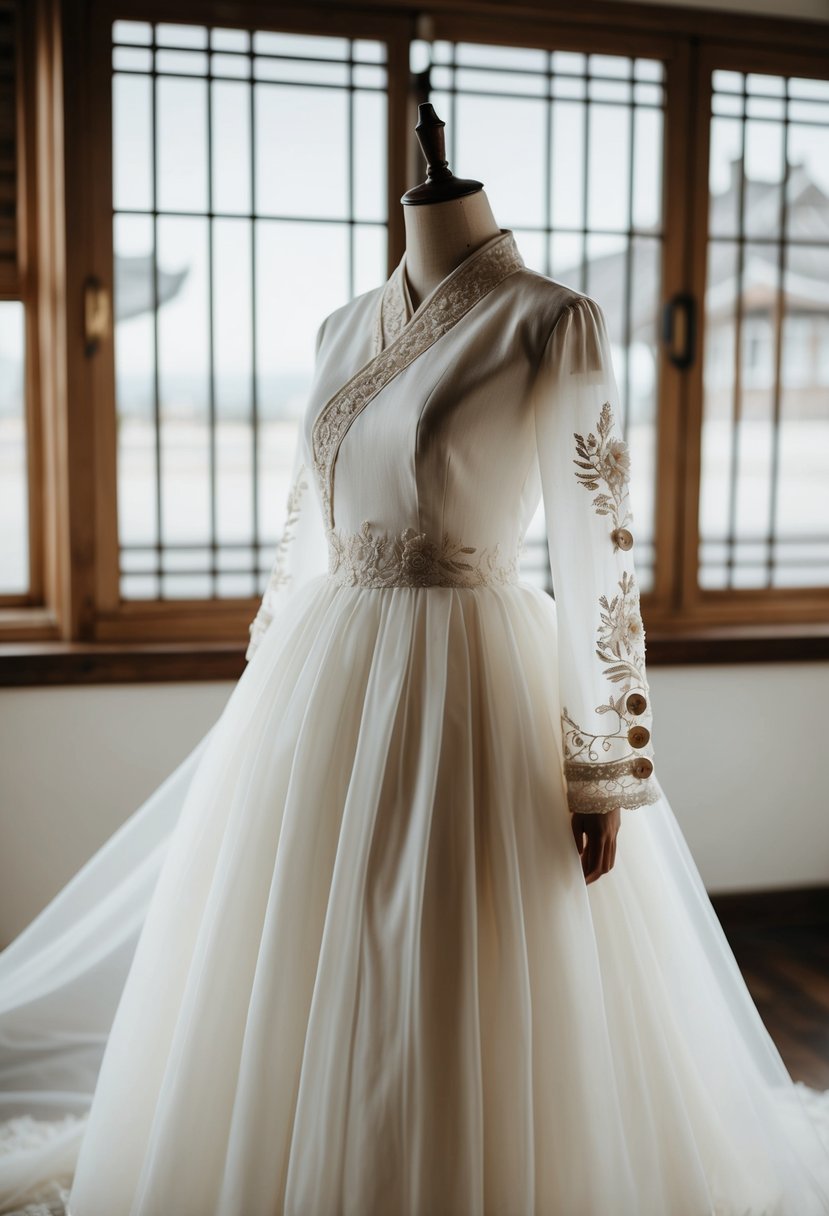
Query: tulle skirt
x,y
369,978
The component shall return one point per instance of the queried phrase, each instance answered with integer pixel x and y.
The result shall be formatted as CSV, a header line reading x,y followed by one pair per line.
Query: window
x,y
675,171
764,494
242,161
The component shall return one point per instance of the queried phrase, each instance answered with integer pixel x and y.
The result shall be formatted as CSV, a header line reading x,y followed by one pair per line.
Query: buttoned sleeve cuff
x,y
616,770
597,788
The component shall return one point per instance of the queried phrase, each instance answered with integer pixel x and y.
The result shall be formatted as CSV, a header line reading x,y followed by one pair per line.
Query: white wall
x,y
74,762
741,753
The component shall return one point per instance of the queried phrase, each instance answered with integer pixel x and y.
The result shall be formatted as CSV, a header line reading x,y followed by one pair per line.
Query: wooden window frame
x,y
695,606
22,609
72,627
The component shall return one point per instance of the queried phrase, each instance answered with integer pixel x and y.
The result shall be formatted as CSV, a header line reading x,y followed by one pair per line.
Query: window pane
x,y
301,167
230,40
181,35
503,57
233,370
132,31
231,147
132,153
724,187
184,383
214,337
765,447
308,46
135,377
609,139
586,206
181,151
480,136
14,512
370,155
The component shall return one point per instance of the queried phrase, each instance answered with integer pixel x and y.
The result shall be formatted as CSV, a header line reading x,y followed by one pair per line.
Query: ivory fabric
x,y
344,961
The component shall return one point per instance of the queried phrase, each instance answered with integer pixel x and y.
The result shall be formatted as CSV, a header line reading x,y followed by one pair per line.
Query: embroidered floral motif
x,y
280,575
411,559
621,640
605,460
461,290
600,767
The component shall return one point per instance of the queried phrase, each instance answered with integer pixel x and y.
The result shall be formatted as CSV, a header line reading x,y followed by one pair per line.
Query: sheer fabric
x,y
302,551
345,961
585,471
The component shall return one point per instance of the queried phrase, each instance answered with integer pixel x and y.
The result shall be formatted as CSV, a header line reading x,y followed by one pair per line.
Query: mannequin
x,y
446,217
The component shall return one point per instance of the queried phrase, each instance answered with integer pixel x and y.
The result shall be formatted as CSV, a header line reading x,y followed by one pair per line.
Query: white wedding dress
x,y
344,961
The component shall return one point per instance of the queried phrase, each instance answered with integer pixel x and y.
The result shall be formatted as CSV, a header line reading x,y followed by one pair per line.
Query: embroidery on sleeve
x,y
621,640
621,647
603,769
604,460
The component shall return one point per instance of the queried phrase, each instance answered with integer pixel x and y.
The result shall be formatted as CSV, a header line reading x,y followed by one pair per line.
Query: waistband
x,y
413,559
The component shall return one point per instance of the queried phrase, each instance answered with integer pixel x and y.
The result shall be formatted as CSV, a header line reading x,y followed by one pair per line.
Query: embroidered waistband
x,y
411,559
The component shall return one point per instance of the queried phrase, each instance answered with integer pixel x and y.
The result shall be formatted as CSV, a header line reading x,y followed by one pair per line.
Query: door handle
x,y
679,329
97,315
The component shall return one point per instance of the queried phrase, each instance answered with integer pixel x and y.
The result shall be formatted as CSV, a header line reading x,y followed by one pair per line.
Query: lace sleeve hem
x,y
599,788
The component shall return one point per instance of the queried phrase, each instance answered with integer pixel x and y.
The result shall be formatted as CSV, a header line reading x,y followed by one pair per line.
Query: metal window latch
x,y
679,329
97,315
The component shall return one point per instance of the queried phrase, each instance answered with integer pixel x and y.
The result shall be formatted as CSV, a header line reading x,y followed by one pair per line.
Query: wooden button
x,y
641,767
636,704
638,736
623,538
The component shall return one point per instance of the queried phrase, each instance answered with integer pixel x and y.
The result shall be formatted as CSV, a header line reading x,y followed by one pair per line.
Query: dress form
x,y
446,217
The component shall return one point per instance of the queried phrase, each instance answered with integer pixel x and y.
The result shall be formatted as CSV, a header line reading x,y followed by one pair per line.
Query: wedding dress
x,y
344,961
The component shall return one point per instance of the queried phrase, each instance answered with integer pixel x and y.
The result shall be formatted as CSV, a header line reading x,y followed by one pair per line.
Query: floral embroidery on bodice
x,y
411,559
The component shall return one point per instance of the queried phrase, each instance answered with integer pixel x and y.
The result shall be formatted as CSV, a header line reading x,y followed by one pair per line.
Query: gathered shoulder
x,y
537,304
547,302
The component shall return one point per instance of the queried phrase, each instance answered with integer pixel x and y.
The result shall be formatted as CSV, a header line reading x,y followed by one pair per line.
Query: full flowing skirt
x,y
345,963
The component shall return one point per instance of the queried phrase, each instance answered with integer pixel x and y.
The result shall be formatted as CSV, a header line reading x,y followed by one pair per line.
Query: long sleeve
x,y
585,469
302,551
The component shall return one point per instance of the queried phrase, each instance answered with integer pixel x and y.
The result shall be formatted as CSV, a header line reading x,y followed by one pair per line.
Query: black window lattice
x,y
159,562
766,406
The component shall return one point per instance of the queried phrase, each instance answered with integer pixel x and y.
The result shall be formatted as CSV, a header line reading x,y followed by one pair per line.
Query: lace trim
x,y
280,575
592,789
464,287
392,313
411,559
